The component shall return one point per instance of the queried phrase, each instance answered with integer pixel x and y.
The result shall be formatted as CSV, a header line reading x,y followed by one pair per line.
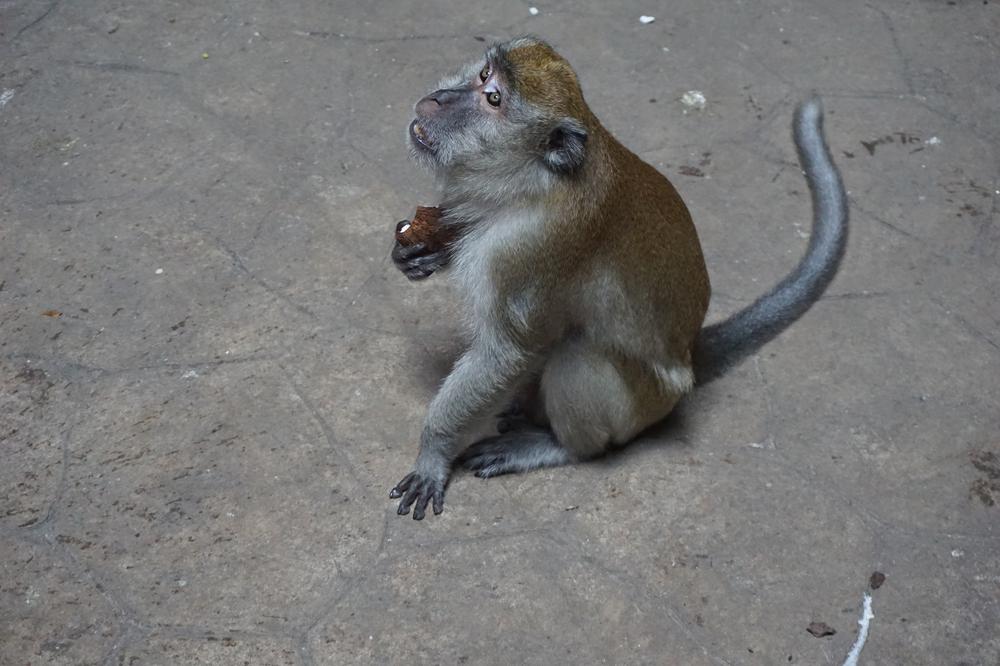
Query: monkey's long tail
x,y
726,343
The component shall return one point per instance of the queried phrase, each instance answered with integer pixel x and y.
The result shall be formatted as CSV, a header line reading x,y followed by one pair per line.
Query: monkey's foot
x,y
515,451
417,490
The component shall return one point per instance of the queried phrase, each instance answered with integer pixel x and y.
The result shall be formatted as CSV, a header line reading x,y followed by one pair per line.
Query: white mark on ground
x,y
6,96
533,11
863,625
159,271
646,19
190,374
933,141
693,99
957,553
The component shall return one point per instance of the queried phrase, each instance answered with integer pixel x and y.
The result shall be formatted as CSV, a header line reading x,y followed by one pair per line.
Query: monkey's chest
x,y
492,268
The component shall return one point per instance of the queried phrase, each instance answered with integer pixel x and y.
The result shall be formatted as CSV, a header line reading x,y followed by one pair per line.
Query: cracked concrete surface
x,y
212,374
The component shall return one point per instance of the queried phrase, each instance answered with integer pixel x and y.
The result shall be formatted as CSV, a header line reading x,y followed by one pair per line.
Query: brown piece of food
x,y
876,580
426,228
820,629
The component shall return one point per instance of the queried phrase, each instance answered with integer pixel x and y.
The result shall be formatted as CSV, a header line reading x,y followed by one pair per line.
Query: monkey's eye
x,y
485,73
493,98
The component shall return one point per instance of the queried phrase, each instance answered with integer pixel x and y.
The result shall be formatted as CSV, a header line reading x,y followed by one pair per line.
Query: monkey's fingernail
x,y
395,493
402,510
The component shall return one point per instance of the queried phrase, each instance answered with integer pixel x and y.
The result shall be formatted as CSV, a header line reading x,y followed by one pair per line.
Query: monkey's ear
x,y
566,147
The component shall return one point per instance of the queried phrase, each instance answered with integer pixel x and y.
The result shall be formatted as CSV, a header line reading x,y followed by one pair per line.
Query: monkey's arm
x,y
479,381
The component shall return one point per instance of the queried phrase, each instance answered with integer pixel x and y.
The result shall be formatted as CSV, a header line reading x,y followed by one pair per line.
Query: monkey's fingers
x,y
402,253
408,499
484,463
419,268
487,458
484,467
398,490
421,506
419,491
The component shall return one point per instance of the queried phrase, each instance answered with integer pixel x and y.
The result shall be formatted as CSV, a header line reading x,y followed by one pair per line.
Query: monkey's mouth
x,y
420,136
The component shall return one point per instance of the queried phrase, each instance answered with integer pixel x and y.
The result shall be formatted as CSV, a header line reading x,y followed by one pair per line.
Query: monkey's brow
x,y
497,59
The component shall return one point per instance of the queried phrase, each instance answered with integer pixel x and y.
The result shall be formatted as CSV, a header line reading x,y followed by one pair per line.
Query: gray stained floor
x,y
212,374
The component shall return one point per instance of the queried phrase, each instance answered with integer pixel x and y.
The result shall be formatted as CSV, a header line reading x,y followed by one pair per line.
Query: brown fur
x,y
620,210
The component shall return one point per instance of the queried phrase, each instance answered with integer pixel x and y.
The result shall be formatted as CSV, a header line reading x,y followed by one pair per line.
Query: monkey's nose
x,y
438,99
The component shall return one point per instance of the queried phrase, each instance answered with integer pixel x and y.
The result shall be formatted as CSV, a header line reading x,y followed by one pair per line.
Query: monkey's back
x,y
649,239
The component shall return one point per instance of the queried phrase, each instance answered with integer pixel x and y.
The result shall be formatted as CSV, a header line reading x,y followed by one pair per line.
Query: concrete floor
x,y
212,374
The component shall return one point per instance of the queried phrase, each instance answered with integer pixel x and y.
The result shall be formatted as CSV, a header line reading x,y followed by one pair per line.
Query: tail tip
x,y
810,109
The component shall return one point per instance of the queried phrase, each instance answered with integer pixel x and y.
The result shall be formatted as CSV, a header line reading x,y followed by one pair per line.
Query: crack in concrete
x,y
965,324
904,61
238,262
71,370
328,433
42,17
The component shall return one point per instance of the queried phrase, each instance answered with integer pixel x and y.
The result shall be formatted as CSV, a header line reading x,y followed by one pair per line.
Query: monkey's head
x,y
513,122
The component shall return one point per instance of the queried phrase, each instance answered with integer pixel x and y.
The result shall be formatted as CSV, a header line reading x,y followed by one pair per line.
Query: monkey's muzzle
x,y
420,136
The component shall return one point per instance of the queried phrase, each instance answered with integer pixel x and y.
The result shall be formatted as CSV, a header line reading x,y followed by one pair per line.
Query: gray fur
x,y
724,344
515,451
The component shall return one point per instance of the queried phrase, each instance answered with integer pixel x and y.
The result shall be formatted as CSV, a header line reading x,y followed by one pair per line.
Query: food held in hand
x,y
426,228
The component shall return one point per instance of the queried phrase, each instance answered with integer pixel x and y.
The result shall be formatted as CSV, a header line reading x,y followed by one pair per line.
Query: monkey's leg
x,y
592,400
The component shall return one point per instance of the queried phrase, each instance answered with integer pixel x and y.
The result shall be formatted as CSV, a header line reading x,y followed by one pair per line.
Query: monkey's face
x,y
473,116
499,117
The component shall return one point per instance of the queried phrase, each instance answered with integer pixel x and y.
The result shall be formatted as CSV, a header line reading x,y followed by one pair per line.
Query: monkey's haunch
x,y
726,343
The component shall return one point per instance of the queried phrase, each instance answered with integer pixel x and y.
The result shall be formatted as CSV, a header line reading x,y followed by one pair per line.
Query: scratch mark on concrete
x,y
118,67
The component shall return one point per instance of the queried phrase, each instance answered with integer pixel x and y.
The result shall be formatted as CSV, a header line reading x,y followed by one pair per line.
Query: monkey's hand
x,y
417,490
417,261
426,483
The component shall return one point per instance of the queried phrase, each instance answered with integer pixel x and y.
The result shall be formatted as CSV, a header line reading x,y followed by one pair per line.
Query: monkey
x,y
581,272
